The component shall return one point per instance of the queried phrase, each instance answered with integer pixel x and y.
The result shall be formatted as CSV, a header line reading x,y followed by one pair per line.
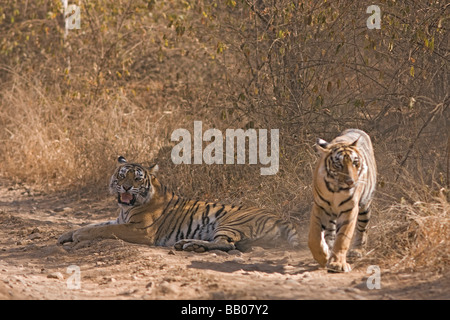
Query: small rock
x,y
128,292
35,230
218,253
235,253
166,288
55,275
34,236
353,290
218,295
82,244
307,275
291,282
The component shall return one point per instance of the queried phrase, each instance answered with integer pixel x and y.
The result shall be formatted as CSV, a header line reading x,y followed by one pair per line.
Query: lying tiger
x,y
151,214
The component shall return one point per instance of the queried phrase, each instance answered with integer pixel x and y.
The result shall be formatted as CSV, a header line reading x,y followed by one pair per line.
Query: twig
x,y
439,107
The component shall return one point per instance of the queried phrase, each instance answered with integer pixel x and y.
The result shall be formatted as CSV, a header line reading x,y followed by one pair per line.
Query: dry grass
x,y
413,234
59,144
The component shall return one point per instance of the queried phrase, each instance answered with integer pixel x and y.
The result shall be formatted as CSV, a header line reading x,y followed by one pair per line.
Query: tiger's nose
x,y
349,181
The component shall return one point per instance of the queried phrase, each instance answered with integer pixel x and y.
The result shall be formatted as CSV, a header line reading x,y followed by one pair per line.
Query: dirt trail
x,y
32,266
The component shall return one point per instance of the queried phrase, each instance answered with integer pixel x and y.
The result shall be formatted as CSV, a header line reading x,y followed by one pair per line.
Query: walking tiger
x,y
343,185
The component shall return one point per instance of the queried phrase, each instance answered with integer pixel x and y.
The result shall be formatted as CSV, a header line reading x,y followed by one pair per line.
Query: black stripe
x,y
346,200
164,215
346,211
339,226
227,229
175,216
326,212
321,198
191,217
240,220
218,212
223,236
328,186
205,215
197,229
327,166
261,224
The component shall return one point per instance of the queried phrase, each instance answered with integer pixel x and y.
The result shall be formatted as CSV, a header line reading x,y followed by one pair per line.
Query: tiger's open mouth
x,y
126,198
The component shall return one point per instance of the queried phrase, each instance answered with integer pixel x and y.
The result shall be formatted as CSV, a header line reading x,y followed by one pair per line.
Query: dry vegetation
x,y
137,70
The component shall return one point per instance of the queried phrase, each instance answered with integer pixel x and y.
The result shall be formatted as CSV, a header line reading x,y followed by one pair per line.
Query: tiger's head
x,y
132,183
342,161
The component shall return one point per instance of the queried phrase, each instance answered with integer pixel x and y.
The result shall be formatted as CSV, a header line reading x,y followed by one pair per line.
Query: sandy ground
x,y
33,266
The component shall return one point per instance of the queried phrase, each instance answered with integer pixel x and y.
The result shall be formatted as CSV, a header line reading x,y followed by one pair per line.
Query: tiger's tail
x,y
290,234
283,231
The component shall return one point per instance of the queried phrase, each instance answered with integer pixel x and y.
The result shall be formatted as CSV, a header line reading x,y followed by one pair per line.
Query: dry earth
x,y
33,266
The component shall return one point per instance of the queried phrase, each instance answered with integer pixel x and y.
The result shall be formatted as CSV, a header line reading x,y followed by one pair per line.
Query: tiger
x,y
343,186
152,214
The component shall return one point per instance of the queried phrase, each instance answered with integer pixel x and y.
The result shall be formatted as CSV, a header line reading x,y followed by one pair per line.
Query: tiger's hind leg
x,y
329,232
219,243
225,238
360,237
316,238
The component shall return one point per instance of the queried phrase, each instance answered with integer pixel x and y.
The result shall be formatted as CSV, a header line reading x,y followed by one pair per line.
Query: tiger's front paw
x,y
202,246
192,245
83,234
66,237
355,253
336,266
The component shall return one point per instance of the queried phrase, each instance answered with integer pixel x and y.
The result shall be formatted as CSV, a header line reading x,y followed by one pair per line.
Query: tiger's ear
x,y
121,160
355,142
321,146
153,169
